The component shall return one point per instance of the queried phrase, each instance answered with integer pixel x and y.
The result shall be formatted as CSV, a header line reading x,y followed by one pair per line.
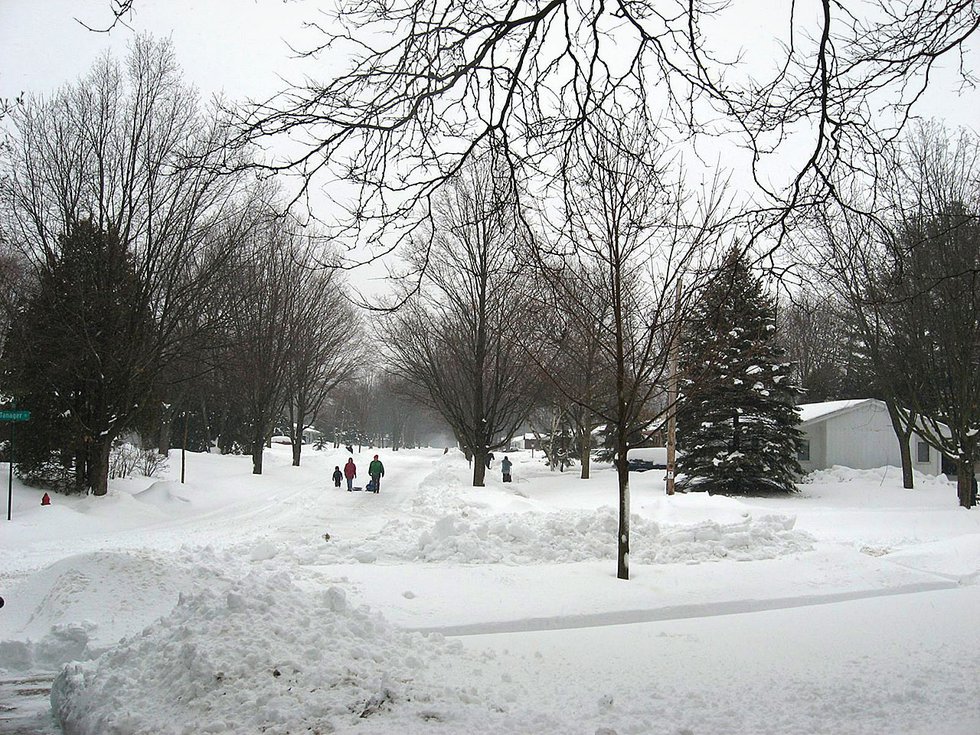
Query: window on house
x,y
921,452
803,453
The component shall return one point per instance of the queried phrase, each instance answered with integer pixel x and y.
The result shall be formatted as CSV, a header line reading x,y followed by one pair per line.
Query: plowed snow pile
x,y
262,656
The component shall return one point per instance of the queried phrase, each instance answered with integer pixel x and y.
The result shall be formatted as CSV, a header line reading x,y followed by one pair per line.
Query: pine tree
x,y
76,359
736,419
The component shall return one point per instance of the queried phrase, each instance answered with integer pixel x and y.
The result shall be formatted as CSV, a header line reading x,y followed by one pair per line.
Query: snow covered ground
x,y
279,604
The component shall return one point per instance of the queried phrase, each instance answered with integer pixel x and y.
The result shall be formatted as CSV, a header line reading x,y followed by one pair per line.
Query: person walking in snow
x,y
350,472
337,476
377,471
505,466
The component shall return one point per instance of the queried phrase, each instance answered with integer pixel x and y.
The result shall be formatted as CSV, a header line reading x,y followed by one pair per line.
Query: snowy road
x,y
25,708
807,614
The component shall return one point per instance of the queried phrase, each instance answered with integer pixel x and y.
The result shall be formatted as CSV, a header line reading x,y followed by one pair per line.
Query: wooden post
x,y
672,394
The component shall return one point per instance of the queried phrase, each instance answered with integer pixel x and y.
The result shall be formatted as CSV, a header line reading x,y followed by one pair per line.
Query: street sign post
x,y
12,417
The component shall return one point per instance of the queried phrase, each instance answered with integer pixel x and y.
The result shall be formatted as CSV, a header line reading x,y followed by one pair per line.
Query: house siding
x,y
816,434
861,438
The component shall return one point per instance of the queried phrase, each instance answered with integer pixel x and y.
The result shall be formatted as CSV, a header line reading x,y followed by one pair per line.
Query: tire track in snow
x,y
676,612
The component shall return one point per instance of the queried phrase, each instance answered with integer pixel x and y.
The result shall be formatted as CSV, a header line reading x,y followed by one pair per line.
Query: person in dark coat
x,y
350,472
337,476
505,466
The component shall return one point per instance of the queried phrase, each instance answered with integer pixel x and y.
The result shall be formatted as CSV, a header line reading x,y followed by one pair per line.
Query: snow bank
x,y
879,475
164,494
451,523
102,595
572,536
262,655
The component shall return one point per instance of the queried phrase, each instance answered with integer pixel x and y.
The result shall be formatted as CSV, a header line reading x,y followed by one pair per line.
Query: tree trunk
x,y
585,454
904,434
736,446
623,474
205,426
296,431
98,465
166,423
479,469
965,472
258,446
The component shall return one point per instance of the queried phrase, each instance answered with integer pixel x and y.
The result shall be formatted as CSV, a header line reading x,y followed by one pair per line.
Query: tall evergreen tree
x,y
736,419
75,358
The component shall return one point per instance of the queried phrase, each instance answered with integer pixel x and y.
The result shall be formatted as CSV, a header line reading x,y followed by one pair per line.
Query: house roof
x,y
818,411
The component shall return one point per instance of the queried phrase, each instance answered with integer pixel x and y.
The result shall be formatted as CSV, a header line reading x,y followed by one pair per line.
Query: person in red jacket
x,y
350,472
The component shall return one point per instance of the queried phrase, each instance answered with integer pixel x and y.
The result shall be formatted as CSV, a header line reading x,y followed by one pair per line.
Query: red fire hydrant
x,y
45,499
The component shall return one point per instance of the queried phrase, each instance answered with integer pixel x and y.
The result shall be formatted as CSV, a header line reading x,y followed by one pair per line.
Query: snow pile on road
x,y
453,523
573,536
78,607
262,655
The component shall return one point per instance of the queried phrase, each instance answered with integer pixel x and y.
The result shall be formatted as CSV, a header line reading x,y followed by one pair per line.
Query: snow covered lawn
x,y
279,604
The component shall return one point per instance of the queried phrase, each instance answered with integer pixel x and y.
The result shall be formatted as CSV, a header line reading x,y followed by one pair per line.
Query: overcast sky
x,y
238,47
232,46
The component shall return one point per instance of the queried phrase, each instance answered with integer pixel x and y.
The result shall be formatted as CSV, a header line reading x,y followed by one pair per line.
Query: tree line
x,y
153,287
586,303
558,95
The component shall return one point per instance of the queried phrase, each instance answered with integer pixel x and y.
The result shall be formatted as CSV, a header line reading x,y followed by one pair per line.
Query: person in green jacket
x,y
376,470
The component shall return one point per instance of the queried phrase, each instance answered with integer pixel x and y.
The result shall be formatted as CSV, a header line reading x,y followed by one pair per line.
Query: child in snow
x,y
350,472
505,466
337,476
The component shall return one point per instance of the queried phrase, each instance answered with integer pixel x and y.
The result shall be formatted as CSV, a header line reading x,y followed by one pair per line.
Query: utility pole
x,y
672,392
183,451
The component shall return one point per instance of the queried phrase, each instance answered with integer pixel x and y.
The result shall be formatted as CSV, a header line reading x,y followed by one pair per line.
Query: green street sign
x,y
14,415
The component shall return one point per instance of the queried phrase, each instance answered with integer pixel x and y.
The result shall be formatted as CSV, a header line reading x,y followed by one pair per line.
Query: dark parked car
x,y
642,465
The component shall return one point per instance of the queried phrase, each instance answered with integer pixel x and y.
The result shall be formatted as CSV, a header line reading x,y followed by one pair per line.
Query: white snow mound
x,y
265,656
572,536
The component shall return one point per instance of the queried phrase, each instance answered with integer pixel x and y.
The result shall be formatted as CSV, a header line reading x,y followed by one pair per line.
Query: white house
x,y
857,434
310,435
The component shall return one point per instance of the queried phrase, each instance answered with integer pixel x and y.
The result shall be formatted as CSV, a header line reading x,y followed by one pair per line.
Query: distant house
x,y
530,441
857,434
310,435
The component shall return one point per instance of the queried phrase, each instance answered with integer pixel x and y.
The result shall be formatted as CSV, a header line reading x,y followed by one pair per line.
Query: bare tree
x,y
569,305
812,327
852,254
908,273
933,267
430,84
324,351
453,342
263,292
632,234
129,151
